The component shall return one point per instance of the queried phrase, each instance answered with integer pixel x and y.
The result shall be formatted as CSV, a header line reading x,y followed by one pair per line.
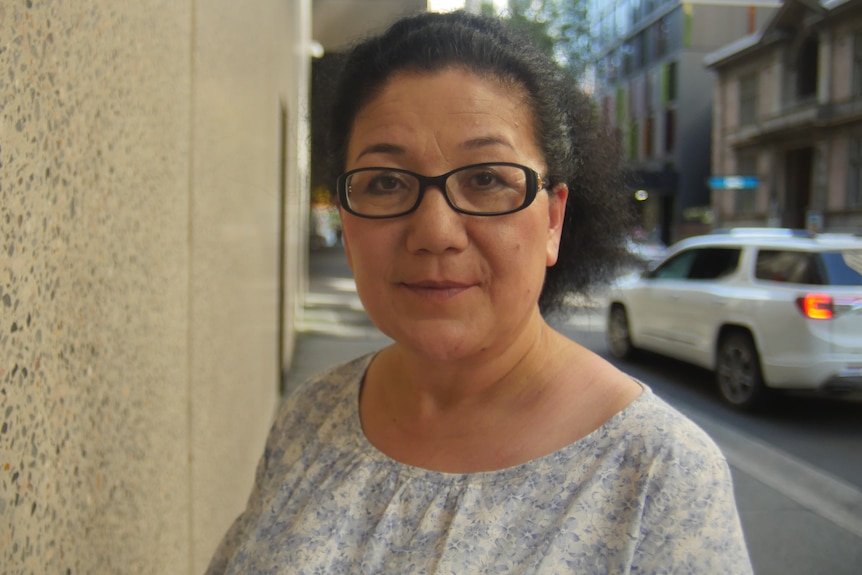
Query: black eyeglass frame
x,y
534,184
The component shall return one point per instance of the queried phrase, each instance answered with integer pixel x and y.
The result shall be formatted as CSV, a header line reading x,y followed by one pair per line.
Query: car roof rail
x,y
766,232
839,235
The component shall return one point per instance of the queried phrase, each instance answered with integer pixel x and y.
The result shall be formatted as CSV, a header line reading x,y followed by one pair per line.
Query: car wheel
x,y
740,380
619,338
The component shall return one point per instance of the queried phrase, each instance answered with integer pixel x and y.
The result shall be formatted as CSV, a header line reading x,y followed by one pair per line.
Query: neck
x,y
421,391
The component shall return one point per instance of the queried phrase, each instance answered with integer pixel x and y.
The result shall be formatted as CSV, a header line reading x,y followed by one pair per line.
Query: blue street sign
x,y
733,182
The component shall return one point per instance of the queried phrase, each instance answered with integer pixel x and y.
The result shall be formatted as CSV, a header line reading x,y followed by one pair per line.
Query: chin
x,y
439,343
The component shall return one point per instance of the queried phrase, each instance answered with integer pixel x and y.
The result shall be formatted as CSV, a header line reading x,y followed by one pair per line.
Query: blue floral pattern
x,y
647,492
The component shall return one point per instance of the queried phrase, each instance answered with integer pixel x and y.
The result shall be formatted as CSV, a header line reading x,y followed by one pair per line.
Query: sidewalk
x,y
334,327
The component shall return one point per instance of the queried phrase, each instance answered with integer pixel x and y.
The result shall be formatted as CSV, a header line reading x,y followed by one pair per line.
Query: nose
x,y
434,226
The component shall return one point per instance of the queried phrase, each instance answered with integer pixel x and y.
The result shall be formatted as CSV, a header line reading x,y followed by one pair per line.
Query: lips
x,y
432,284
437,289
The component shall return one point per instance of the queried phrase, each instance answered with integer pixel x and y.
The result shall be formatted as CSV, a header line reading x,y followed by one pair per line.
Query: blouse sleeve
x,y
690,523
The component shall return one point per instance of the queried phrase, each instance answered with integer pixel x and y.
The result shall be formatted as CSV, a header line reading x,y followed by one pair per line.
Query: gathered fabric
x,y
647,492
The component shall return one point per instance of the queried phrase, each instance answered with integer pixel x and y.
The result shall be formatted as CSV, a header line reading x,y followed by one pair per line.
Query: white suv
x,y
763,308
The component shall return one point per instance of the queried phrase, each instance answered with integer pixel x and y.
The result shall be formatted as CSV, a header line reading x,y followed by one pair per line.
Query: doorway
x,y
799,165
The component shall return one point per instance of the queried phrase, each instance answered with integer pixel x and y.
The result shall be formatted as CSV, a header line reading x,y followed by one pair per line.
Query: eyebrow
x,y
396,150
477,143
383,148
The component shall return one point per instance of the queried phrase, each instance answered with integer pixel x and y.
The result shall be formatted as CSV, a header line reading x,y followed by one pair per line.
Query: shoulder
x,y
660,430
688,515
315,413
677,462
663,451
316,396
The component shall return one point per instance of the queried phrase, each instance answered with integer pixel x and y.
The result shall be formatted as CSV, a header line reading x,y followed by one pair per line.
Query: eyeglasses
x,y
490,189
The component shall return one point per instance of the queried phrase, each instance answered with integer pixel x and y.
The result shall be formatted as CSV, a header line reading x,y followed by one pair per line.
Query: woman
x,y
476,191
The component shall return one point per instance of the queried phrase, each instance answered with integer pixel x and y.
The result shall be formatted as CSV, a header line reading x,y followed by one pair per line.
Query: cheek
x,y
359,234
520,256
368,245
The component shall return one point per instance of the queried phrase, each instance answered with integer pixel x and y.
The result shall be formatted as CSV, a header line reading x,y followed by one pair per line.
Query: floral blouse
x,y
647,492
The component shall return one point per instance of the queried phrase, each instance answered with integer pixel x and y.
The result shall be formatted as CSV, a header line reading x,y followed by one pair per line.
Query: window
x,y
806,79
857,64
608,27
596,34
843,268
699,264
636,11
838,268
713,263
854,174
662,40
613,66
622,16
622,114
638,55
675,268
628,52
788,266
648,136
748,99
669,130
648,92
635,103
672,82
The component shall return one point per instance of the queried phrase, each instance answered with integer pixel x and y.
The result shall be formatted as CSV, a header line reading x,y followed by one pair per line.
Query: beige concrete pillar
x,y
141,162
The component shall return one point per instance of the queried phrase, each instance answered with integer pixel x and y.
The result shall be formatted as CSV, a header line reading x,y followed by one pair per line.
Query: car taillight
x,y
816,305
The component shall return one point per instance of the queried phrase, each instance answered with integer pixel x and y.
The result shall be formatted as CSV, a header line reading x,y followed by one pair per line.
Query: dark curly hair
x,y
577,148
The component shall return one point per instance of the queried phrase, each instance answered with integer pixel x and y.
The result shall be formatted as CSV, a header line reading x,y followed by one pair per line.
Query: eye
x,y
381,183
388,184
385,183
486,179
494,178
483,179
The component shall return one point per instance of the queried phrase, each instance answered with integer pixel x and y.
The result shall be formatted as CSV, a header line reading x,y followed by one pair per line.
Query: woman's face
x,y
444,284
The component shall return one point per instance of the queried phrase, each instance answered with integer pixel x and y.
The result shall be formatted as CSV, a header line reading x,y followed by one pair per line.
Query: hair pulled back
x,y
577,150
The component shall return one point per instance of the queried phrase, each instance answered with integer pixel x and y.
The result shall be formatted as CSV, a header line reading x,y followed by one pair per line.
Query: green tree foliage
x,y
560,28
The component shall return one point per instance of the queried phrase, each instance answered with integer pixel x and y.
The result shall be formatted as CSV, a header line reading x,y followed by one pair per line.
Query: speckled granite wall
x,y
139,201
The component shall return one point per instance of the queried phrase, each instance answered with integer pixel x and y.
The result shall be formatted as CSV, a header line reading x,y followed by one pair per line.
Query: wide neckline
x,y
513,473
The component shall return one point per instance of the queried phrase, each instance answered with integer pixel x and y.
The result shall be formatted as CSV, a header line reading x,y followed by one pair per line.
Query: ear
x,y
557,197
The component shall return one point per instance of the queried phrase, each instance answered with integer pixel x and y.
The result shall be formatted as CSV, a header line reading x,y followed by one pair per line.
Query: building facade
x,y
788,121
652,86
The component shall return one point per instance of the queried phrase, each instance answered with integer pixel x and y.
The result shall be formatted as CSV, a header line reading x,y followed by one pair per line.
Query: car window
x,y
676,268
843,268
699,264
789,266
714,263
